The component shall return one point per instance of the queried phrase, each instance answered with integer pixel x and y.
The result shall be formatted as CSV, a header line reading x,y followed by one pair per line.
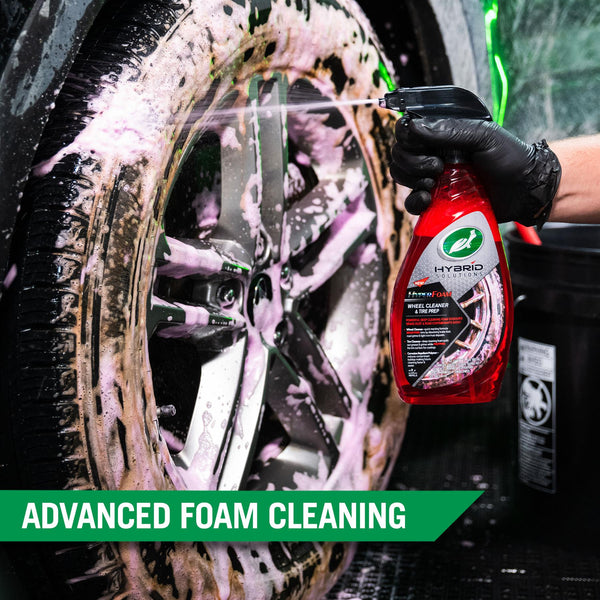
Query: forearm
x,y
578,197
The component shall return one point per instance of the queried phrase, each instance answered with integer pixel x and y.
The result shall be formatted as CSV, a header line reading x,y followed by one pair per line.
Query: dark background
x,y
502,547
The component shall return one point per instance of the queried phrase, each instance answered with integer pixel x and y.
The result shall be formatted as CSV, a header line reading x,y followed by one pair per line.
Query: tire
x,y
190,315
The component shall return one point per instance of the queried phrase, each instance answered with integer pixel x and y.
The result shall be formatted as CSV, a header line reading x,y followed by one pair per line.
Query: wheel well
x,y
412,40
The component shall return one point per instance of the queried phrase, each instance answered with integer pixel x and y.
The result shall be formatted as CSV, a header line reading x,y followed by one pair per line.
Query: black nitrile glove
x,y
520,179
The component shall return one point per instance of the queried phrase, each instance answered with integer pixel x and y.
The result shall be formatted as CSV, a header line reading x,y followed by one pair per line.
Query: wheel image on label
x,y
535,401
483,306
205,255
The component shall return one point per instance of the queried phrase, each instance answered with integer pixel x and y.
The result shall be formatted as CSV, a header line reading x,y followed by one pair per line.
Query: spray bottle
x,y
452,306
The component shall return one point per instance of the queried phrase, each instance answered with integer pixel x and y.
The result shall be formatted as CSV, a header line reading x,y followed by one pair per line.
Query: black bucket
x,y
554,381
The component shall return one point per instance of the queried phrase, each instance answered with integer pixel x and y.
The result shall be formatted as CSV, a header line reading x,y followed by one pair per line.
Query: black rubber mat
x,y
495,550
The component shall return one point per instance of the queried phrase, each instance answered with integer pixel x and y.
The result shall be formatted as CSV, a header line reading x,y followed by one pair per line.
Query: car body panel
x,y
45,41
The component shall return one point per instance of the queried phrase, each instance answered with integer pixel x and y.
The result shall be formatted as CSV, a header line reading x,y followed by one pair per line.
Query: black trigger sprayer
x,y
452,306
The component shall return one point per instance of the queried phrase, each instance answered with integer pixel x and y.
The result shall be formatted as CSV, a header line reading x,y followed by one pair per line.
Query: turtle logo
x,y
535,401
461,243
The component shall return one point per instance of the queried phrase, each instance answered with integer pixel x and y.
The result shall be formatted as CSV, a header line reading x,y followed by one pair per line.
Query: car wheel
x,y
206,250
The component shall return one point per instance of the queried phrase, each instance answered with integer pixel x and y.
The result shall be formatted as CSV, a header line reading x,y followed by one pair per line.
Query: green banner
x,y
229,516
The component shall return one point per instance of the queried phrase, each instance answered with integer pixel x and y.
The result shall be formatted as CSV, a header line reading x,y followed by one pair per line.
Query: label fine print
x,y
537,414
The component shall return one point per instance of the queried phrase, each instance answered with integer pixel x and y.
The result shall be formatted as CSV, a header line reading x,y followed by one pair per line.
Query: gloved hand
x,y
520,179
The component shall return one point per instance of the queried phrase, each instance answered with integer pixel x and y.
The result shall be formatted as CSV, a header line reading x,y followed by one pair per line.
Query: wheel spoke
x,y
292,399
292,461
237,456
274,158
213,417
239,218
308,355
356,314
313,214
346,233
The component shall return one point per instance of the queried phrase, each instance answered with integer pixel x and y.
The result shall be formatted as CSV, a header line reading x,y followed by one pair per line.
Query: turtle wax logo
x,y
461,243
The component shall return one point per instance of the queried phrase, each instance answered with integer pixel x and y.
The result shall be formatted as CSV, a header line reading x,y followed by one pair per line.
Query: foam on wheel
x,y
183,237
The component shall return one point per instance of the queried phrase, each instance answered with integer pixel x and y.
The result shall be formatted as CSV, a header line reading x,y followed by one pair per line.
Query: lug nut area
x,y
280,334
259,297
264,306
226,295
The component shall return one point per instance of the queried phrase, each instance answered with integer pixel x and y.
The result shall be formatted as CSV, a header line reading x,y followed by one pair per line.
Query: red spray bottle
x,y
452,307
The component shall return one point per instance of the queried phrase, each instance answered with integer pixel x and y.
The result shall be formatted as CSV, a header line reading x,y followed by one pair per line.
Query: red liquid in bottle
x,y
452,307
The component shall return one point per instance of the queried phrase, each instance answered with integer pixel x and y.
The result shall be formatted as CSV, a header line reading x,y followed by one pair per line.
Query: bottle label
x,y
537,415
453,316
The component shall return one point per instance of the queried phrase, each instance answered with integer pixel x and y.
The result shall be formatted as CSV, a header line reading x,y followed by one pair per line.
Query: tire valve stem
x,y
166,410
